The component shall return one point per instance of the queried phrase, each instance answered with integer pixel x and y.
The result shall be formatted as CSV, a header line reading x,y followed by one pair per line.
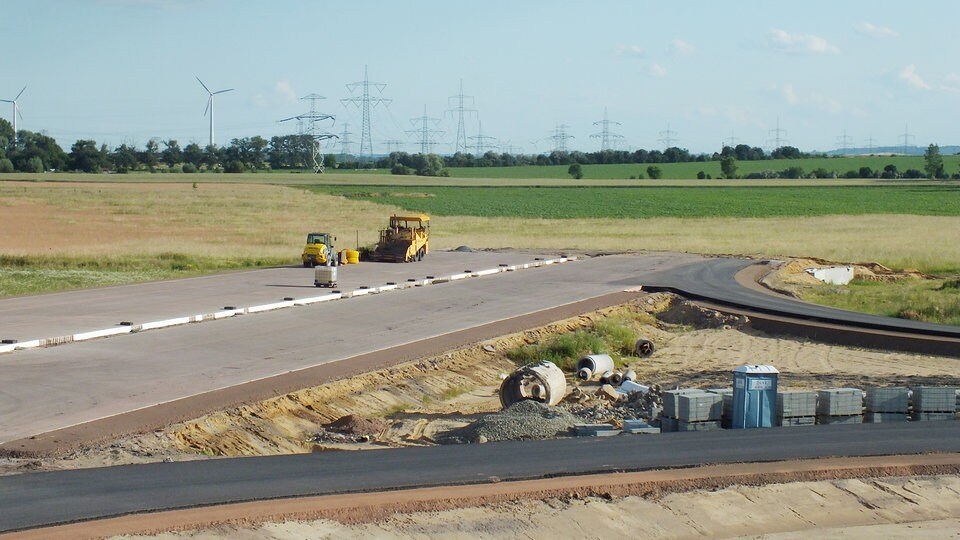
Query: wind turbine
x,y
16,110
210,105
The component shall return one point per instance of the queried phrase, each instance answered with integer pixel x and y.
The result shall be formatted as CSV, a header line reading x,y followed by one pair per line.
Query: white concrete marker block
x,y
165,323
9,347
83,336
488,272
270,307
32,344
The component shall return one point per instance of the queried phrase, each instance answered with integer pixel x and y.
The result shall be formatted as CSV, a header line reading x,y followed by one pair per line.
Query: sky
x,y
694,74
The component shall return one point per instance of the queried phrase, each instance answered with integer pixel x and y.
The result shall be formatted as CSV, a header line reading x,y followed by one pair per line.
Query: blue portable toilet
x,y
754,396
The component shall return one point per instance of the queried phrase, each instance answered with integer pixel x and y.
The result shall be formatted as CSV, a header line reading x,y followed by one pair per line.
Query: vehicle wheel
x,y
306,265
420,255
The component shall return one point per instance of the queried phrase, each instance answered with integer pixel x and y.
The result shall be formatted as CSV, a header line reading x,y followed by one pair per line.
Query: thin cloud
x,y
873,30
285,90
679,46
912,79
656,70
951,83
783,41
634,51
810,100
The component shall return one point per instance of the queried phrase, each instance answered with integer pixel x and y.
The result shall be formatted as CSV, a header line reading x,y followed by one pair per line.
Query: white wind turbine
x,y
210,105
16,110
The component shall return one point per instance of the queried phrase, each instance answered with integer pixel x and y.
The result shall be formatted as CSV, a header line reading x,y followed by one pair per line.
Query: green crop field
x,y
653,202
838,165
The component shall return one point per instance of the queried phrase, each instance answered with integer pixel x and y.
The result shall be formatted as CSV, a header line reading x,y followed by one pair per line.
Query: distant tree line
x,y
36,152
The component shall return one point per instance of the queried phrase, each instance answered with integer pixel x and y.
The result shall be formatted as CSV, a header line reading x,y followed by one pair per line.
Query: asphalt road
x,y
52,388
31,500
713,280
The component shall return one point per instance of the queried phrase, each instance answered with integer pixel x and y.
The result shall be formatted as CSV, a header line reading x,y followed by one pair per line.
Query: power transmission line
x,y
778,140
906,138
560,138
460,110
345,141
668,137
427,135
365,102
308,123
605,135
393,145
730,141
481,141
870,141
843,141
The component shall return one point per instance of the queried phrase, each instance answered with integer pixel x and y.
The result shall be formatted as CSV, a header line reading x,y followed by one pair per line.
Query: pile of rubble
x,y
350,428
525,419
687,313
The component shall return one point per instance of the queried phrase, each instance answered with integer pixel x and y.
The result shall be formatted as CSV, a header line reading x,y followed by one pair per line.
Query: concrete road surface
x,y
51,388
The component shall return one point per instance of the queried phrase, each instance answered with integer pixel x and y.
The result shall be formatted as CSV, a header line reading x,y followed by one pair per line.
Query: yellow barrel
x,y
353,256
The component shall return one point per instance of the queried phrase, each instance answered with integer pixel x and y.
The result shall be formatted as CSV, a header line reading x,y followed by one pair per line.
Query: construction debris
x,y
524,419
543,382
594,366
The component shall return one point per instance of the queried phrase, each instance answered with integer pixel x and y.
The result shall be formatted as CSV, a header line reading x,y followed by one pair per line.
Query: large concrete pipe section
x,y
594,365
543,382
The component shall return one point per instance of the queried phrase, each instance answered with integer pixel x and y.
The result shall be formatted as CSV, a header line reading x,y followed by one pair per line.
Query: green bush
x,y
6,166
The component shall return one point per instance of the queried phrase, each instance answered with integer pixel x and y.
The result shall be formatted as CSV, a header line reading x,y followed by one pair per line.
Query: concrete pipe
x,y
595,364
543,382
616,377
585,374
630,375
643,348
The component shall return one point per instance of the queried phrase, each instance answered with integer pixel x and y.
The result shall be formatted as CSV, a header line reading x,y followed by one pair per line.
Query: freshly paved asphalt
x,y
713,280
31,500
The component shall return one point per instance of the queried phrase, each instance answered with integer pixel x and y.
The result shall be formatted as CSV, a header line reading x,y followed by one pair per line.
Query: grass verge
x,y
20,275
935,300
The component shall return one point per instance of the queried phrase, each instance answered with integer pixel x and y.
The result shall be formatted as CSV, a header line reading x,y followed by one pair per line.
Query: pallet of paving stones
x,y
796,404
934,399
712,425
885,417
839,402
895,399
840,419
793,421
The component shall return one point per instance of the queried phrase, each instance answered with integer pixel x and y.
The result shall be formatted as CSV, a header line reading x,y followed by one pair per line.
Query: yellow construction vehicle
x,y
406,239
319,250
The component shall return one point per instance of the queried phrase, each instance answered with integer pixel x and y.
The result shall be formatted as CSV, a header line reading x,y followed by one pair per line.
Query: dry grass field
x,y
230,221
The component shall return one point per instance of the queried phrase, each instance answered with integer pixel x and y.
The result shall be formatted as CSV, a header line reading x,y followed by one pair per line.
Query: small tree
x,y
35,165
6,166
576,171
654,172
933,162
728,166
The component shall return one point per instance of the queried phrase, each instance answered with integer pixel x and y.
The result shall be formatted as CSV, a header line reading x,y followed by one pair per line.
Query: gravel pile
x,y
523,420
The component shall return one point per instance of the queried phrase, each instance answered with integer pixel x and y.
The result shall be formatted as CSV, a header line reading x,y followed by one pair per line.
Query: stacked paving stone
x,y
840,406
670,417
934,403
887,404
726,416
699,412
796,408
